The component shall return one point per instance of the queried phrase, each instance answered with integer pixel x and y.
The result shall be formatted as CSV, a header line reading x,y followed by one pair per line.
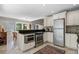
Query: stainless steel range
x,y
38,38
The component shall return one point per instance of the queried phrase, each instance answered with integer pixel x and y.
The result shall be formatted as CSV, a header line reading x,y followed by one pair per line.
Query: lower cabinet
x,y
71,40
48,36
29,46
24,46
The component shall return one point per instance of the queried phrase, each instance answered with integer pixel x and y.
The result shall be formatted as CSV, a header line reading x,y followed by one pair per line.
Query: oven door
x,y
29,38
39,39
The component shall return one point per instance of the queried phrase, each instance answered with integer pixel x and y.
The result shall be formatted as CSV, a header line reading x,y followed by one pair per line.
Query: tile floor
x,y
3,50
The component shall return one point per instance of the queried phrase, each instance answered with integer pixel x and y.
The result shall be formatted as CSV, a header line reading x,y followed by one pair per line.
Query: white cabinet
x,y
23,26
48,36
67,40
48,21
59,15
74,41
45,22
24,46
45,36
71,40
73,18
29,45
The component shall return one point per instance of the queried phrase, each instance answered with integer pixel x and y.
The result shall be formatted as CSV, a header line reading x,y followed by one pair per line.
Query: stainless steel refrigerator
x,y
59,32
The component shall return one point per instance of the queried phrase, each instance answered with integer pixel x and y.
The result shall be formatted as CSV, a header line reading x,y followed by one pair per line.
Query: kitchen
x,y
25,35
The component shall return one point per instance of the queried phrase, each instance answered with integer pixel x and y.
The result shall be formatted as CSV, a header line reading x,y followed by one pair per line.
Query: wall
x,y
10,23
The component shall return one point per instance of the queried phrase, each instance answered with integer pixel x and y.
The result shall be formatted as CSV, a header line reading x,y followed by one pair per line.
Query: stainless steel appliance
x,y
59,32
39,39
29,38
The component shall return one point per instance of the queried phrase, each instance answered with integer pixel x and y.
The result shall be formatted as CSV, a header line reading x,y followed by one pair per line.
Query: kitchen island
x,y
28,39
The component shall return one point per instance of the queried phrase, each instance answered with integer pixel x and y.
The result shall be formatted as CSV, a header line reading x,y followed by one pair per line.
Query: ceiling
x,y
31,11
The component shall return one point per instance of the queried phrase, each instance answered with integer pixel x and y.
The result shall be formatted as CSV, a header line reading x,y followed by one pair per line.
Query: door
x,y
59,32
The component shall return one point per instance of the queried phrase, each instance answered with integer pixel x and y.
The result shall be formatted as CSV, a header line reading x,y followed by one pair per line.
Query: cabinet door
x,y
67,40
18,26
73,18
50,37
45,37
48,21
73,41
45,22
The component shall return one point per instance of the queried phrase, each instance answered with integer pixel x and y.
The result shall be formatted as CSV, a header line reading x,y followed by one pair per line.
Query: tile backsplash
x,y
48,28
72,29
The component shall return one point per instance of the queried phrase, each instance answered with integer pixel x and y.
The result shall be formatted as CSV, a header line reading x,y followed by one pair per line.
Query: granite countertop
x,y
30,31
72,29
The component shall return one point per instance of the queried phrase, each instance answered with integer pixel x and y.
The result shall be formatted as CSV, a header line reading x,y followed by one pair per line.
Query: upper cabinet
x,y
27,26
73,18
18,26
59,15
48,21
23,26
45,21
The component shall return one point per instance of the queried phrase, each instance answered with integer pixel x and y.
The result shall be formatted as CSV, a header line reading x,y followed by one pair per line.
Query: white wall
x,y
10,23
